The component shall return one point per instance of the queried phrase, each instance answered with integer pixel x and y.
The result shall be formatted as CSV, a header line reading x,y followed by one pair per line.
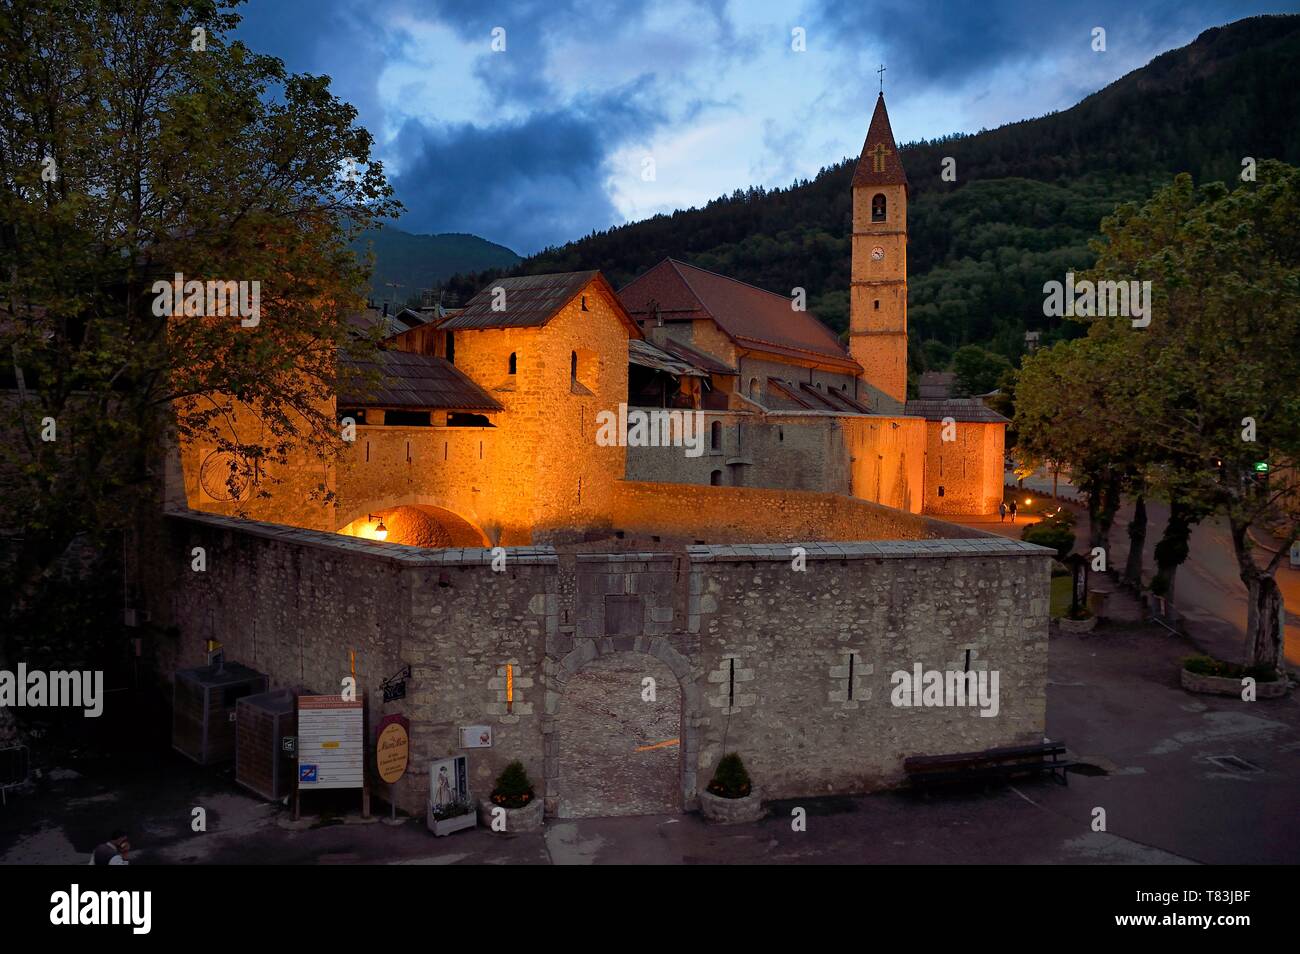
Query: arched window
x,y
514,362
753,388
573,365
715,436
715,479
878,207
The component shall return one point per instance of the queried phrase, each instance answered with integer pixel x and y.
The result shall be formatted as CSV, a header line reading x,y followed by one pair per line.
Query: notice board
x,y
331,742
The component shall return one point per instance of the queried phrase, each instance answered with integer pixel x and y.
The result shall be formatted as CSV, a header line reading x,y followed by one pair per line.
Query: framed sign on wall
x,y
331,742
476,737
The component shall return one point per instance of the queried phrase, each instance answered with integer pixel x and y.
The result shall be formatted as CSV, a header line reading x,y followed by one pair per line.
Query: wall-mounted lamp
x,y
381,532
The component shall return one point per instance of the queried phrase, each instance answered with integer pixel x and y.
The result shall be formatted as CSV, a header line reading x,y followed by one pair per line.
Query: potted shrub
x,y
730,798
514,795
453,816
1216,677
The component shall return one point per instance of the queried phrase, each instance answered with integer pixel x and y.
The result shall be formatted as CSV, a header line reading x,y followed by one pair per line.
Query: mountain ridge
x,y
1028,198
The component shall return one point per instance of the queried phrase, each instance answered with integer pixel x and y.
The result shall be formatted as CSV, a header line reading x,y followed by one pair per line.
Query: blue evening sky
x,y
547,140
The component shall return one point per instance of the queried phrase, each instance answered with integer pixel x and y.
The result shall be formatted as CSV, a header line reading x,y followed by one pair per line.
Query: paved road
x,y
1209,593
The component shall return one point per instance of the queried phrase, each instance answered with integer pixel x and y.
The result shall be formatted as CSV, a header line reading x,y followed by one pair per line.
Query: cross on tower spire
x,y
881,71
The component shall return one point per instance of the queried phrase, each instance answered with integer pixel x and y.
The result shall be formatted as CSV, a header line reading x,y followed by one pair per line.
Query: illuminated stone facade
x,y
784,404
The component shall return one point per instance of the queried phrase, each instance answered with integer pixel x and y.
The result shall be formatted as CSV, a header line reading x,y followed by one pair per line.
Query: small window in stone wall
x,y
456,419
715,479
514,362
509,687
727,690
848,680
715,436
406,418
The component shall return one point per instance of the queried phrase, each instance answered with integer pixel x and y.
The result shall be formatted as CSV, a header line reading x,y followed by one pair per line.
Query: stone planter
x,y
528,818
731,811
441,827
1077,625
1230,686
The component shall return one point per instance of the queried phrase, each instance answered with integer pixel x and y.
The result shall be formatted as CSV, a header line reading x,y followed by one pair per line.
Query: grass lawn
x,y
1060,604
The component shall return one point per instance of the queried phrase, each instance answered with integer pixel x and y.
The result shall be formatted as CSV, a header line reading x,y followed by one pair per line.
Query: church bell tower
x,y
878,293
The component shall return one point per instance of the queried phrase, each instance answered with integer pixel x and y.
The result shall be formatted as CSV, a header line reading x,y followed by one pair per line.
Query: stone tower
x,y
878,296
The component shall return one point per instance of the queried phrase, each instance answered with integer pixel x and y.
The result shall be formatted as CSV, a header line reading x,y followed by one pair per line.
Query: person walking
x,y
1002,511
113,851
1012,510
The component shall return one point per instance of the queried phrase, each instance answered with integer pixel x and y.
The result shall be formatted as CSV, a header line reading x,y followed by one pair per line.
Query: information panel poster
x,y
331,742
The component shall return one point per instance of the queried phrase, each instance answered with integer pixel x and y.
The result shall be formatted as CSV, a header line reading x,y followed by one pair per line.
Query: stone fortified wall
x,y
761,649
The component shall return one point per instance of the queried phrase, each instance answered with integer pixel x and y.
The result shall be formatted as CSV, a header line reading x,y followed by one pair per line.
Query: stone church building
x,y
627,562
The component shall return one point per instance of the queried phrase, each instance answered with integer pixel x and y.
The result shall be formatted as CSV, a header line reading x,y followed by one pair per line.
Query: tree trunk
x,y
1172,549
1103,502
1265,610
1137,541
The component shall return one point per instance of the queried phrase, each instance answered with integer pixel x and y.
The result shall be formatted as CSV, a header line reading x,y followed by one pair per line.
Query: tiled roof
x,y
529,301
936,384
698,358
648,356
410,381
967,410
807,397
753,318
890,171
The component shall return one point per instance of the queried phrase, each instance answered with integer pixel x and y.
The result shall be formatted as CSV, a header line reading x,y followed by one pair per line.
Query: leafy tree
x,y
1074,408
1220,376
134,147
978,371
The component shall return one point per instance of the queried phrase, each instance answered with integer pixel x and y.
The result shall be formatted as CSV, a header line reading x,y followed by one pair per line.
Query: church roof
x,y
753,318
879,163
530,301
408,380
965,410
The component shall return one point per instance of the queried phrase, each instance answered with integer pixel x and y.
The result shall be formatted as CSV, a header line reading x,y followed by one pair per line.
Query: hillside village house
x,y
483,434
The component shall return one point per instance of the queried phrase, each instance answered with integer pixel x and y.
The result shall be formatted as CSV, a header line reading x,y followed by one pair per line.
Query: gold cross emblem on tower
x,y
878,157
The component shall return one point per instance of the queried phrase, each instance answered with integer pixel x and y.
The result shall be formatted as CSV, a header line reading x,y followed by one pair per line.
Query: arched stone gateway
x,y
416,524
607,750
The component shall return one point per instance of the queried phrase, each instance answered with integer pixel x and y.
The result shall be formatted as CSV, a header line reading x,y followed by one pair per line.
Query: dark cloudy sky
x,y
550,139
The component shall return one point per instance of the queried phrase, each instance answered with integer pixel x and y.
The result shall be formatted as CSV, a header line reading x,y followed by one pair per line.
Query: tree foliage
x,y
133,148
1197,400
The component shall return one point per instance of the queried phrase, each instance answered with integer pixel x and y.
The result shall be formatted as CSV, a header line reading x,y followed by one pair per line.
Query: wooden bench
x,y
989,765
